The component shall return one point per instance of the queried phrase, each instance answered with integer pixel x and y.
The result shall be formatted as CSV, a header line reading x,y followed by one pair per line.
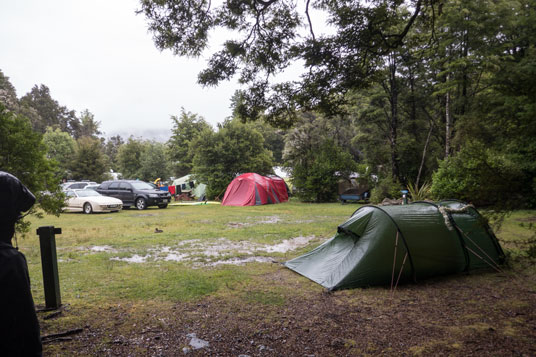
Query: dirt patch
x,y
493,315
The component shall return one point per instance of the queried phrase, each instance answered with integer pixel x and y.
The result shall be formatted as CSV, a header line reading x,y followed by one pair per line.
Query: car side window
x,y
114,186
103,186
125,186
70,194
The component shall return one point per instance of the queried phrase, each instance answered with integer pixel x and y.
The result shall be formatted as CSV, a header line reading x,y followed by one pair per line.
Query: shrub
x,y
478,175
421,193
316,177
386,188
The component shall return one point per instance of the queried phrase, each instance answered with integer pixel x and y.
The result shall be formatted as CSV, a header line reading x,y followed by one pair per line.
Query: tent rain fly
x,y
378,245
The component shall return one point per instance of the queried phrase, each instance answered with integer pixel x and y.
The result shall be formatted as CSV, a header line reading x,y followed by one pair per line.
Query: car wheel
x,y
162,206
87,208
141,203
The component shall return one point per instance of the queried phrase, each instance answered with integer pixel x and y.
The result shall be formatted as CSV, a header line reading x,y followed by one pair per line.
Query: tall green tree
x,y
60,147
495,134
186,128
89,161
8,94
274,139
111,149
88,125
469,41
129,158
23,154
327,164
50,112
234,149
153,163
319,154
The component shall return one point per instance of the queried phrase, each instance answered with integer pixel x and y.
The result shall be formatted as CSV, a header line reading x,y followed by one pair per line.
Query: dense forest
x,y
436,96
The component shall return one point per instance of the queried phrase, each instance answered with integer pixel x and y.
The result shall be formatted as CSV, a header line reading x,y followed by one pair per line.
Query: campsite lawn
x,y
214,272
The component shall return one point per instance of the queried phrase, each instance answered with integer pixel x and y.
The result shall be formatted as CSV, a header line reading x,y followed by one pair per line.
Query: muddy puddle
x,y
203,253
251,221
101,248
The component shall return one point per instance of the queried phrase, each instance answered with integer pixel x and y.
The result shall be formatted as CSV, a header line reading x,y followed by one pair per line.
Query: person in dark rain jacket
x,y
19,328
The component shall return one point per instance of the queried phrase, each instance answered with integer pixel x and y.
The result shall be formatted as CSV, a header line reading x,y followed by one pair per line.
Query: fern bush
x,y
424,192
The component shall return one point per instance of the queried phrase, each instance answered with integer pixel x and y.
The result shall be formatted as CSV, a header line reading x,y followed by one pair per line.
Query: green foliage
x,y
315,177
235,149
267,37
186,129
420,193
386,188
153,163
493,96
89,161
481,175
274,139
60,148
46,112
88,125
23,154
319,152
144,160
111,149
129,158
8,94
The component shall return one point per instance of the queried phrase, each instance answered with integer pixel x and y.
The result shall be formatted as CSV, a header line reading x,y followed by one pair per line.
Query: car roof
x,y
75,190
110,181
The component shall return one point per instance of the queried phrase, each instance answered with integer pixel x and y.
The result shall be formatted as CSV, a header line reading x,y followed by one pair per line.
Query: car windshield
x,y
87,193
140,185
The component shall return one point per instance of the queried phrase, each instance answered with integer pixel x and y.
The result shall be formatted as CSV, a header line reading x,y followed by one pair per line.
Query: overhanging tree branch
x,y
309,20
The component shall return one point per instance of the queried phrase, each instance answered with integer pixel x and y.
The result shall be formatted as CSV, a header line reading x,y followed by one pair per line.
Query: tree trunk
x,y
424,154
448,122
394,119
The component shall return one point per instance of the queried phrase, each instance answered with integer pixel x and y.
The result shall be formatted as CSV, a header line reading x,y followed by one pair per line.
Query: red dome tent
x,y
253,189
280,188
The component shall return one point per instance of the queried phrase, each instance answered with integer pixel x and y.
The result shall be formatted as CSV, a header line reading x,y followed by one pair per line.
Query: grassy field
x,y
143,282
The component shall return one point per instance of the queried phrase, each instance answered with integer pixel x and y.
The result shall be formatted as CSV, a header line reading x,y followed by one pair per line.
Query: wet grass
x,y
93,275
114,298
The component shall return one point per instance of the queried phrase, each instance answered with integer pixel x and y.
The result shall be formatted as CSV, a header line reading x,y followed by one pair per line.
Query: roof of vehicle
x,y
123,181
76,190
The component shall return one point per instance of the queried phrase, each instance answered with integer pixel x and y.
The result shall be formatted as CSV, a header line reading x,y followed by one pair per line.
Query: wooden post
x,y
49,263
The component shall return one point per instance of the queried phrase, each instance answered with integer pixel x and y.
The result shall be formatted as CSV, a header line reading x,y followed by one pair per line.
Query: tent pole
x,y
400,273
484,260
394,262
496,267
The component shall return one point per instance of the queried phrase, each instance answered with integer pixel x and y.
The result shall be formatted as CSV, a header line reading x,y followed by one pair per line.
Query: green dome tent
x,y
380,245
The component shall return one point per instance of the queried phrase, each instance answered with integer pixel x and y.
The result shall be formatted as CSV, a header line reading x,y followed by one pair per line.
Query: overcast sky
x,y
98,55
